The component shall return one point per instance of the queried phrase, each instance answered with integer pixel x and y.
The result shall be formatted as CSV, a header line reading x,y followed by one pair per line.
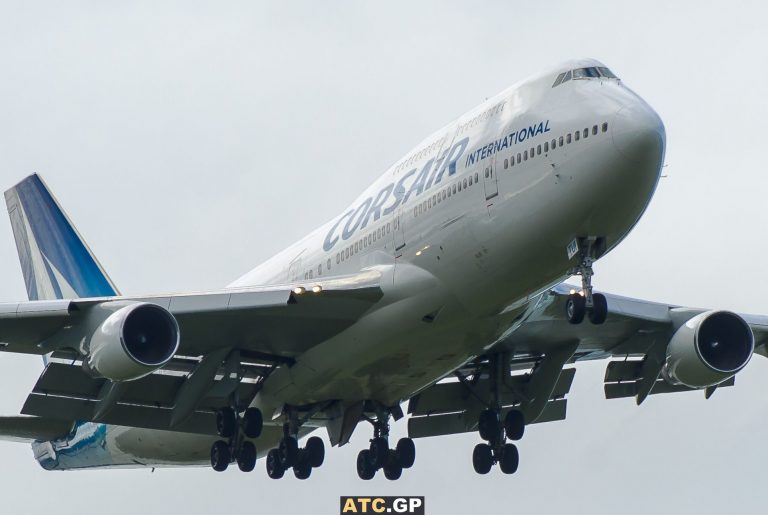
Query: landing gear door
x,y
489,178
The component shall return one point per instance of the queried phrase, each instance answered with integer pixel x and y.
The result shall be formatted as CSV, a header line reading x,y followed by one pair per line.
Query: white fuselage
x,y
465,230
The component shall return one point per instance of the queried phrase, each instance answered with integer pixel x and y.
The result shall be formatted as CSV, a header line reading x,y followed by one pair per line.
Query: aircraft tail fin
x,y
55,260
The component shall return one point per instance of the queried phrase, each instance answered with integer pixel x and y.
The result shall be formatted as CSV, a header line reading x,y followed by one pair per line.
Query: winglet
x,y
55,260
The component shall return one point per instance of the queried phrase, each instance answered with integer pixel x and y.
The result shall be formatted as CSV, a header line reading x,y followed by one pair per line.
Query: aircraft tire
x,y
289,451
226,422
315,451
275,469
510,459
379,452
599,311
220,456
406,452
514,425
575,308
253,422
365,469
482,458
393,469
246,457
488,425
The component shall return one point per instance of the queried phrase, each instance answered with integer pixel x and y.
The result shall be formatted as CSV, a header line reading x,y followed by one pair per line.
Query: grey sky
x,y
189,141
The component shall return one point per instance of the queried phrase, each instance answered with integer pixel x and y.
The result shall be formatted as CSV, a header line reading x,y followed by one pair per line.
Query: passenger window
x,y
486,173
328,264
518,158
454,189
538,150
476,179
378,233
512,160
446,192
389,228
364,243
319,269
433,199
465,184
337,258
429,203
506,163
568,138
533,152
561,141
554,144
420,210
605,126
346,254
355,250
594,130
576,135
306,275
525,156
586,132
370,236
415,212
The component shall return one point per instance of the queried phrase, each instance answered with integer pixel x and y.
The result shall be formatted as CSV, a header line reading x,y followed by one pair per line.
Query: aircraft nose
x,y
638,133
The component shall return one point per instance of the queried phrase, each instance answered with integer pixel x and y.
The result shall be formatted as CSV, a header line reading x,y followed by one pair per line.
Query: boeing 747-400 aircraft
x,y
440,285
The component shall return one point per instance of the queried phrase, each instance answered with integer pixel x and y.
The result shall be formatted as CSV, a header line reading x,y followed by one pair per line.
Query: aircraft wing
x,y
230,341
539,351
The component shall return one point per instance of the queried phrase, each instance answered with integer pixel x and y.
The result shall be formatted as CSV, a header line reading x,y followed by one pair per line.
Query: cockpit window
x,y
591,72
605,72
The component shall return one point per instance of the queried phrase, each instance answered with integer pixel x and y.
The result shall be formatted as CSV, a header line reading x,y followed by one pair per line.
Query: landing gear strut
x,y
288,454
594,305
234,429
379,456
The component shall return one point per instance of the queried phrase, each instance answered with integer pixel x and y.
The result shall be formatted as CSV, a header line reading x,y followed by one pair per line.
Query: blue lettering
x,y
330,239
399,192
375,208
357,217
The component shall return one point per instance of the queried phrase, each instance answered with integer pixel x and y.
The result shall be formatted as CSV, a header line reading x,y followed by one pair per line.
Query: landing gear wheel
x,y
510,458
314,452
253,422
226,422
599,311
246,457
514,425
365,469
406,452
289,450
379,452
575,308
302,469
220,456
393,469
488,425
275,469
482,458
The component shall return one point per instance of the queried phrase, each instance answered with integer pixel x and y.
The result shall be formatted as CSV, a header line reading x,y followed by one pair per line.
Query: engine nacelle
x,y
708,349
133,342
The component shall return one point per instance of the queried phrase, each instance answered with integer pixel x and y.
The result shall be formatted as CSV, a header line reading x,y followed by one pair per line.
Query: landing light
x,y
317,289
418,253
299,290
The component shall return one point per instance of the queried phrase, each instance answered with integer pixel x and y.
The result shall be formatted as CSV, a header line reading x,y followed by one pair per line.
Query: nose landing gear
x,y
593,305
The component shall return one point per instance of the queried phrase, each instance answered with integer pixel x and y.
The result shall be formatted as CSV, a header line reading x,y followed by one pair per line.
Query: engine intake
x,y
133,342
708,349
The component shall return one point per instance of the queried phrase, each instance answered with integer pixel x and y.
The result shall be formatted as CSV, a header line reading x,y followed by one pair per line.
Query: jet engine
x,y
708,349
133,342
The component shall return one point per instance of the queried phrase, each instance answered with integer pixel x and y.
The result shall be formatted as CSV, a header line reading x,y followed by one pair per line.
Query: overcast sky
x,y
190,141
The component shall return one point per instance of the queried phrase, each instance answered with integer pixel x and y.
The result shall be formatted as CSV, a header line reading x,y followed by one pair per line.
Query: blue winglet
x,y
55,260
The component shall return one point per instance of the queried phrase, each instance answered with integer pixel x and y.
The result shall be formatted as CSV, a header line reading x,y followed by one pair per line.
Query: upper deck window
x,y
592,72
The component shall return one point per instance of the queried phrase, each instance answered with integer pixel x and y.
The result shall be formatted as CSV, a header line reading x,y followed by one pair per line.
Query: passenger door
x,y
491,184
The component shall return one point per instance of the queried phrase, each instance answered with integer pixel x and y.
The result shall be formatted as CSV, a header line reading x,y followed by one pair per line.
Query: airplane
x,y
441,286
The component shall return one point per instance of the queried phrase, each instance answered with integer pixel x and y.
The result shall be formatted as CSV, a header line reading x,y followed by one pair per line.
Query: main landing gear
x,y
288,454
593,305
235,428
379,456
496,449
